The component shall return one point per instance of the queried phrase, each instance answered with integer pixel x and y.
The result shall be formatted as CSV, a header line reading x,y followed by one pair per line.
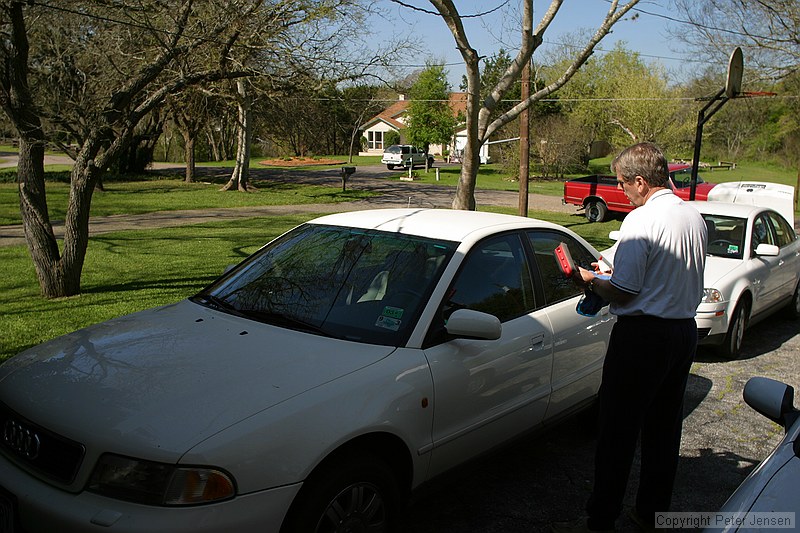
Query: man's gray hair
x,y
645,160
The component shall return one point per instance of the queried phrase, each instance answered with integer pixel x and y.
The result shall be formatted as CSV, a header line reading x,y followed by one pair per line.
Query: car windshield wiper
x,y
215,302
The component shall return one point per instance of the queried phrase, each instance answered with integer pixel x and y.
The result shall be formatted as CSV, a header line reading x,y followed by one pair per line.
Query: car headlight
x,y
155,483
711,296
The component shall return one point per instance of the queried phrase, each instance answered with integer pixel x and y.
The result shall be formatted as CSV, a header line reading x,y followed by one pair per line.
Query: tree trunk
x,y
188,150
240,176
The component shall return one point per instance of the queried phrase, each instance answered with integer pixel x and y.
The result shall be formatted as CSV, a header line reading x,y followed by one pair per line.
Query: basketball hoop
x,y
733,86
755,94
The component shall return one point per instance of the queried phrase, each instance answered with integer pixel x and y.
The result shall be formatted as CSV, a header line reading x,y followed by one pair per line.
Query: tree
x,y
190,112
480,124
430,117
97,70
621,99
768,31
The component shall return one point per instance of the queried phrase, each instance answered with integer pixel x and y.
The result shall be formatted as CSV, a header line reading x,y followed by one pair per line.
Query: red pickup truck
x,y
599,194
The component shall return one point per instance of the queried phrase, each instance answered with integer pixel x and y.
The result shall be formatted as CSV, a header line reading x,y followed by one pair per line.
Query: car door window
x,y
784,234
494,279
761,232
556,287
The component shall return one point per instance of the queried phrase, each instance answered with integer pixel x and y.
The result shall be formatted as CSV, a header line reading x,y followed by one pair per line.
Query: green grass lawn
x,y
134,270
130,271
168,195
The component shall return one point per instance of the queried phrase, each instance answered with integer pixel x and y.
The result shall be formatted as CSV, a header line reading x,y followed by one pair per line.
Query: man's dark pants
x,y
644,379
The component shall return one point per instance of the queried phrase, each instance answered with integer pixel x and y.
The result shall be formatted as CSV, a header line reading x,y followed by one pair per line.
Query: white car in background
x,y
309,389
405,156
752,271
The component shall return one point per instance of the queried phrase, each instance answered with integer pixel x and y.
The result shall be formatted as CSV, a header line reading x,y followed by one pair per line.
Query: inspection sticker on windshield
x,y
733,249
390,318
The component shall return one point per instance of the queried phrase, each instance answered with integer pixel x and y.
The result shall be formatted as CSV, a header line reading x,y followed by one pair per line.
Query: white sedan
x,y
309,389
752,271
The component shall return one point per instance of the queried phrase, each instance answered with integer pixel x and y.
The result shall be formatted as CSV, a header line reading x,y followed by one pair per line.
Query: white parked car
x,y
309,389
767,500
752,271
405,155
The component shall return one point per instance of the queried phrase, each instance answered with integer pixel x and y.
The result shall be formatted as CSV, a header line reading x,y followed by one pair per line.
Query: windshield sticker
x,y
392,312
733,249
390,318
388,323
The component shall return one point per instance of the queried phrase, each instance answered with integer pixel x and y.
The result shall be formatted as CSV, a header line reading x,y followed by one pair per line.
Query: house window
x,y
375,140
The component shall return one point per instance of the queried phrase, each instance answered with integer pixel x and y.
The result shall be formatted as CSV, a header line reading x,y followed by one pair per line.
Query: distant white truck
x,y
405,155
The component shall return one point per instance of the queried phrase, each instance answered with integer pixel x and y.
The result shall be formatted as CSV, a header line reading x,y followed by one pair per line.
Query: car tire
x,y
430,162
390,167
354,493
732,345
793,307
596,211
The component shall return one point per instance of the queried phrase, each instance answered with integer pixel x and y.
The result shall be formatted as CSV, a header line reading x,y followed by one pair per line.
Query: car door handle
x,y
537,340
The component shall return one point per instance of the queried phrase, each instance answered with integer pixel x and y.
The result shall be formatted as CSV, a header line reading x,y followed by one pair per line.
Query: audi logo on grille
x,y
21,439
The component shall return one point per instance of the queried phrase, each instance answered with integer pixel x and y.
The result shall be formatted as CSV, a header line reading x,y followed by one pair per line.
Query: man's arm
x,y
602,287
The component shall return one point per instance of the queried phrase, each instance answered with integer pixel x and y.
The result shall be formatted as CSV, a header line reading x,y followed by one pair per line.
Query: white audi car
x,y
309,389
752,271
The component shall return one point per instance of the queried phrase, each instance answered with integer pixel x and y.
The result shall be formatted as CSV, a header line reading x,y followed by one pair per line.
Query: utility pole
x,y
524,142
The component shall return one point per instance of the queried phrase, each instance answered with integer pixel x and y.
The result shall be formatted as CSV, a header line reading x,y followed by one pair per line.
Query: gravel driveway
x,y
547,477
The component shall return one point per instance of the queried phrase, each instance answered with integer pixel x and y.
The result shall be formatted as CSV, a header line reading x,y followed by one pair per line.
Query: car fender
x,y
283,444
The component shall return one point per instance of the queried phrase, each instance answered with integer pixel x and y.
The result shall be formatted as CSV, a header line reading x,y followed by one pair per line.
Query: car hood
x,y
702,190
170,377
717,268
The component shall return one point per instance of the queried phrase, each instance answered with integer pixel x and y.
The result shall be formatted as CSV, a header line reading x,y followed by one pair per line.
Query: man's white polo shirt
x,y
660,257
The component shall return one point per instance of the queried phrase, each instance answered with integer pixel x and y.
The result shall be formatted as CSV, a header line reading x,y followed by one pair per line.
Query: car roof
x,y
729,209
446,224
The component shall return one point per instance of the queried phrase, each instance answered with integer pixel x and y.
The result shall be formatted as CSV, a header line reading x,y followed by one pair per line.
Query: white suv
x,y
403,155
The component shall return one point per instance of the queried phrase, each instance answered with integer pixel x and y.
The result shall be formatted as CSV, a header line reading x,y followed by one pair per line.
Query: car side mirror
x,y
771,398
474,325
768,250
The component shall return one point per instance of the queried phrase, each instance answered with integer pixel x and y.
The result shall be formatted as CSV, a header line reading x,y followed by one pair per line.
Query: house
x,y
393,118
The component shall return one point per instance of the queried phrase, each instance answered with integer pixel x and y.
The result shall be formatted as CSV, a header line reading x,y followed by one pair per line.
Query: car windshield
x,y
360,285
725,235
683,178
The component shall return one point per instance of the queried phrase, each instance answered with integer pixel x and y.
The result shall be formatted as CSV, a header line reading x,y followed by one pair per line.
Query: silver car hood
x,y
170,377
717,268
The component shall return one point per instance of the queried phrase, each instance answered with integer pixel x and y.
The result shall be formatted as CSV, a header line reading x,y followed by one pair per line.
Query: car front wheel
x,y
733,339
793,308
354,494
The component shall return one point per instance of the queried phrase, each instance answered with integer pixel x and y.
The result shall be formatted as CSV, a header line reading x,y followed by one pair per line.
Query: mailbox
x,y
346,172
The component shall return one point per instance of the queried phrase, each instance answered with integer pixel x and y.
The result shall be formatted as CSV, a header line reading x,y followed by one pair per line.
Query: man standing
x,y
655,288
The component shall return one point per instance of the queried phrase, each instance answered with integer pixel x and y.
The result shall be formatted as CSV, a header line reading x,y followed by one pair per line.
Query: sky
x,y
650,32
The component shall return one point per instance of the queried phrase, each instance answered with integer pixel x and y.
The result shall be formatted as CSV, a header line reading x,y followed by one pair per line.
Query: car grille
x,y
46,452
702,333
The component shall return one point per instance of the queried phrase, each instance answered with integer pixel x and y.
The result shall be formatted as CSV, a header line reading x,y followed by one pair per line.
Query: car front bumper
x,y
38,506
712,323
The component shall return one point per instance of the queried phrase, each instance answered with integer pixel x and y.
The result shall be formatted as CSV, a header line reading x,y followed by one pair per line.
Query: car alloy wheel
x,y
349,495
735,336
793,308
